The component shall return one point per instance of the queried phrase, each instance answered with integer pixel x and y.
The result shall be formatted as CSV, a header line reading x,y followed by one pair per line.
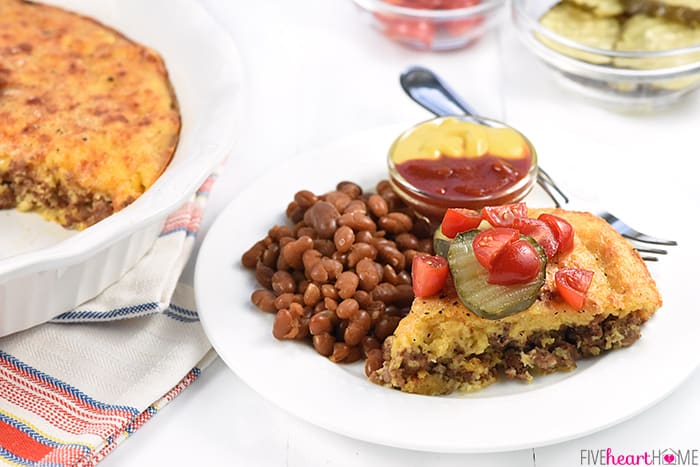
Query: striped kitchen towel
x,y
71,390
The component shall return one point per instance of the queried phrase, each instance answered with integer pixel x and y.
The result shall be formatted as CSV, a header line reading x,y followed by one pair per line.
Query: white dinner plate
x,y
505,416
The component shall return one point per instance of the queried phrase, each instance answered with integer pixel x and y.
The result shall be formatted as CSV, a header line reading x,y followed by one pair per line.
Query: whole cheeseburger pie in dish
x,y
88,118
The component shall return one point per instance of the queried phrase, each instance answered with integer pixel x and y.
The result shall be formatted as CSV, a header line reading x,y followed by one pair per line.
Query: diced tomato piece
x,y
562,230
572,284
428,274
457,220
489,243
420,30
503,216
540,231
516,263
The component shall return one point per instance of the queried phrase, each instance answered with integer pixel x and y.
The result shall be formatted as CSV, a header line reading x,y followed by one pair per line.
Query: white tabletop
x,y
315,72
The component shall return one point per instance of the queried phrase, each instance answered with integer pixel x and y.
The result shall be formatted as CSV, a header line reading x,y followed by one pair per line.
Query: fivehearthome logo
x,y
666,456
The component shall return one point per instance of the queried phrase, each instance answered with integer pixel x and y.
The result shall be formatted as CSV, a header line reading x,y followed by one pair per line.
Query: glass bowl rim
x,y
517,6
380,6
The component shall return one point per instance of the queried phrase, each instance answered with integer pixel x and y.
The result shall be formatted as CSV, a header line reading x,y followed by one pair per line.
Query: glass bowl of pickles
x,y
432,25
628,54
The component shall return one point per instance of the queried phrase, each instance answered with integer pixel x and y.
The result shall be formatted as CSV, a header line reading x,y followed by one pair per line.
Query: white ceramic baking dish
x,y
46,270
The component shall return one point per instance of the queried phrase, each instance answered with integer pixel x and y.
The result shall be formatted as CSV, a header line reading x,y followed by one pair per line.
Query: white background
x,y
316,72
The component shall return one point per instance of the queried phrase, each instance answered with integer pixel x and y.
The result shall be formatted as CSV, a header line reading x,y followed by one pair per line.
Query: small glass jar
x,y
467,187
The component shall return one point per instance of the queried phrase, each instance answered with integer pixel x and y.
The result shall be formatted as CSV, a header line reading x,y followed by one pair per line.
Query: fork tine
x,y
650,258
654,251
632,234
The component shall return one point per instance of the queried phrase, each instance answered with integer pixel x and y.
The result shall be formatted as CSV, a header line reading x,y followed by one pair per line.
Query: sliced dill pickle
x,y
602,8
581,26
647,33
490,301
441,242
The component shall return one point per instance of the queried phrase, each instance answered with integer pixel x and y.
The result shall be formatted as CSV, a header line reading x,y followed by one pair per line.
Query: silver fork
x,y
560,199
425,88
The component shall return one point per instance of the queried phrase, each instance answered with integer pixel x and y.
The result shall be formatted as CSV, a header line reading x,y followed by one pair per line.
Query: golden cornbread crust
x,y
88,118
441,347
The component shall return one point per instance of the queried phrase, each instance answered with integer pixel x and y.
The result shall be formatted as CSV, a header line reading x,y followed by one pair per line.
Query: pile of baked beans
x,y
339,274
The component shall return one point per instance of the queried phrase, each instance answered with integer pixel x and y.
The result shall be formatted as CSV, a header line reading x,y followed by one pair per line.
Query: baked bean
x,y
404,295
426,246
329,291
333,267
325,246
386,327
305,199
391,255
410,255
294,212
285,300
263,274
377,206
347,309
310,257
406,241
385,292
364,236
279,231
396,223
369,343
353,334
389,275
346,284
340,352
363,298
359,251
250,258
270,255
357,221
302,282
283,282
322,323
312,295
338,199
342,258
305,231
374,361
405,277
356,205
376,305
354,355
319,307
343,238
383,187
367,273
330,304
264,299
318,273
363,320
323,343
293,251
323,217
286,326
350,188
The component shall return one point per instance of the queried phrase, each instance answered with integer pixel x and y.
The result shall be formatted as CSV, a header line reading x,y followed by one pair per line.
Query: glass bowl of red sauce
x,y
461,161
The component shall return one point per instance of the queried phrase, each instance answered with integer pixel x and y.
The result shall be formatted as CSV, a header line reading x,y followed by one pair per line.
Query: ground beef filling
x,y
22,188
543,352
